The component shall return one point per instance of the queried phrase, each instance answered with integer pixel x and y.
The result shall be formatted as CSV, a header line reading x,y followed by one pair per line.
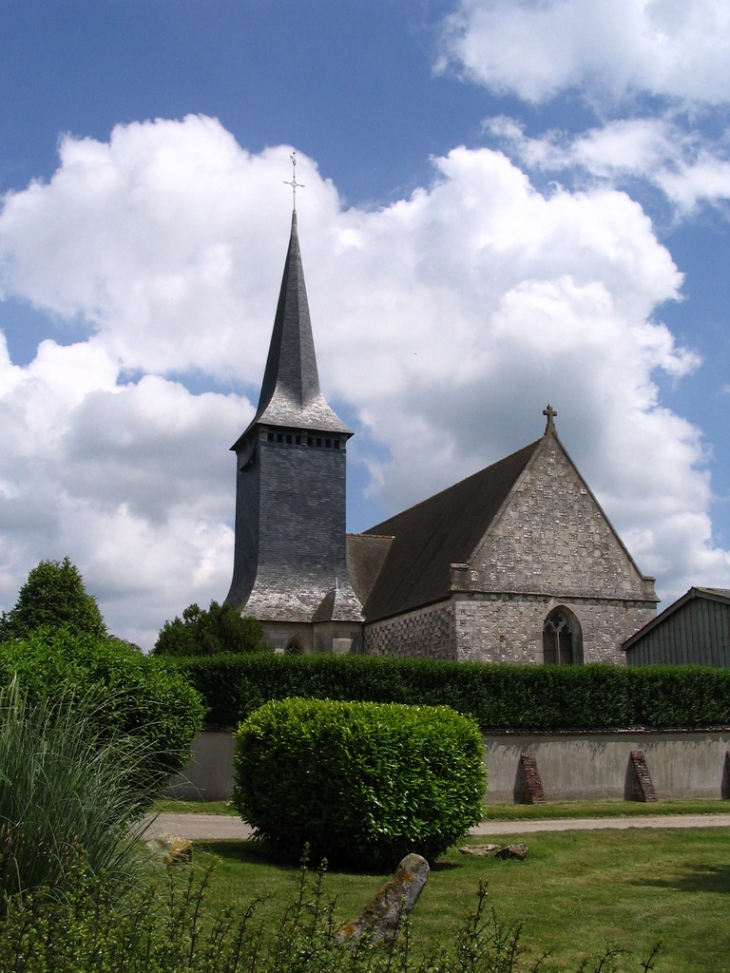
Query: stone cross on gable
x,y
293,181
550,413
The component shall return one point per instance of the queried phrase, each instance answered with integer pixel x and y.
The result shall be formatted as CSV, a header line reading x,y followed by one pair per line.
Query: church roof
x,y
439,532
290,392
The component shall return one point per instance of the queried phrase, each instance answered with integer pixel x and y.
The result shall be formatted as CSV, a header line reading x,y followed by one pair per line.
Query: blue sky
x,y
507,203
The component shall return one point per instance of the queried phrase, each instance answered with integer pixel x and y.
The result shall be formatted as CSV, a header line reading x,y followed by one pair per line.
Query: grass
x,y
511,812
167,805
602,809
577,892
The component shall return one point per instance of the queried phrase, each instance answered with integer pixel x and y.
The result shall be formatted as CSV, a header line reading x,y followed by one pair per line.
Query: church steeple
x,y
290,393
290,493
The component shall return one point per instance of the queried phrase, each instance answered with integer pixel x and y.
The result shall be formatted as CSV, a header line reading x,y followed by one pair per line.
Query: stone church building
x,y
517,563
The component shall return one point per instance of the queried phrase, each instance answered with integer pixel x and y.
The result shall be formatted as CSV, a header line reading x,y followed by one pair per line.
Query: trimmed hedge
x,y
498,697
361,783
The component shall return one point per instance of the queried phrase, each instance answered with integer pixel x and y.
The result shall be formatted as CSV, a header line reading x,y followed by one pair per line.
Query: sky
x,y
506,203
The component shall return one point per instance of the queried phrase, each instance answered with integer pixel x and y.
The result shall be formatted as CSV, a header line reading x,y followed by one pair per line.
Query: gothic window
x,y
294,647
561,638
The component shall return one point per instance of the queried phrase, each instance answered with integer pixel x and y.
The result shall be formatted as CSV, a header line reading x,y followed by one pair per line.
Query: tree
x,y
219,629
53,597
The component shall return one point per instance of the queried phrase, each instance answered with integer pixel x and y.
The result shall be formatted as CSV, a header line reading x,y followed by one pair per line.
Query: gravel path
x,y
201,827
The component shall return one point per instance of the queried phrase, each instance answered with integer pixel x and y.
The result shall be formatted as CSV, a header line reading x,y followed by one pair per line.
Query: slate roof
x,y
290,392
436,533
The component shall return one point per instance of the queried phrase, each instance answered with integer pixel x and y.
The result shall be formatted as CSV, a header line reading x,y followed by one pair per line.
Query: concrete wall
x,y
572,766
209,774
595,766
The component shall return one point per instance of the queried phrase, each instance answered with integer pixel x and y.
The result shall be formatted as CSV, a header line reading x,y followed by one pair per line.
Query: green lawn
x,y
513,812
577,892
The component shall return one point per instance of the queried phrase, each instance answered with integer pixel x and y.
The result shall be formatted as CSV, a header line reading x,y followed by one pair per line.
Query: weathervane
x,y
293,181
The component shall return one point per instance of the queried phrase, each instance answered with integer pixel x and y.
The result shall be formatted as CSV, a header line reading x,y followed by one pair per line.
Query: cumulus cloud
x,y
689,169
444,323
606,49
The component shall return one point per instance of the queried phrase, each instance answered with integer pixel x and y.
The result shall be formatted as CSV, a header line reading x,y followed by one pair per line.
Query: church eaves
x,y
290,393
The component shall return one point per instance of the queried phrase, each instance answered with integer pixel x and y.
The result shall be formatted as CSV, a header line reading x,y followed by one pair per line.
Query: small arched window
x,y
294,647
562,642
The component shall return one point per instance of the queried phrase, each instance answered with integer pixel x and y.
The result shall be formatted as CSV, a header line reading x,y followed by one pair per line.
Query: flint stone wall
x,y
475,627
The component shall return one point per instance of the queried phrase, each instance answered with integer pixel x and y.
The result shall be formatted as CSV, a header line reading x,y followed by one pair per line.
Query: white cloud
x,y
606,49
662,152
446,322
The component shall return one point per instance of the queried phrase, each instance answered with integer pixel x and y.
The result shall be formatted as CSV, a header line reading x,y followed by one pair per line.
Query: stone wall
x,y
427,632
508,628
554,539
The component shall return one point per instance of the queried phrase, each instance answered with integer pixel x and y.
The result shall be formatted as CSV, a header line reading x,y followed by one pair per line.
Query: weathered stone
x,y
518,851
173,851
480,851
380,918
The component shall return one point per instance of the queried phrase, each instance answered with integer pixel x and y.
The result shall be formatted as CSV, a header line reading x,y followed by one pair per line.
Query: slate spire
x,y
290,392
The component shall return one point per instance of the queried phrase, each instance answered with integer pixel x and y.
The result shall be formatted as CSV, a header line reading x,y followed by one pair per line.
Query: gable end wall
x,y
553,539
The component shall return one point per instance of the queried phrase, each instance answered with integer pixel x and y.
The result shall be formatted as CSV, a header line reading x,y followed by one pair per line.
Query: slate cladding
x,y
290,550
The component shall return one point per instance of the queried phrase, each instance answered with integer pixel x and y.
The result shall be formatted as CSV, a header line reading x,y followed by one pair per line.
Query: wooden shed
x,y
694,630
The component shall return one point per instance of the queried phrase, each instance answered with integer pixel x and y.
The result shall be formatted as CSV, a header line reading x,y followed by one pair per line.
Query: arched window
x,y
562,643
294,647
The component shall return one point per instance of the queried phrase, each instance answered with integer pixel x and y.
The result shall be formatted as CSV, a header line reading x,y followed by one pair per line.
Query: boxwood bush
x,y
361,783
498,697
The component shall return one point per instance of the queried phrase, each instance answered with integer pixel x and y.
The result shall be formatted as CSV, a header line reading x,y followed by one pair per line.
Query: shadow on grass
x,y
259,853
694,878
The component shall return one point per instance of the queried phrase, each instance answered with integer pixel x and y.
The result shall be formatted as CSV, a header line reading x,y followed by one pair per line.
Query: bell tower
x,y
290,568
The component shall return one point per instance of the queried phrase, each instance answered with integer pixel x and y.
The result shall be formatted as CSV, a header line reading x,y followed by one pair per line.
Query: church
x,y
516,563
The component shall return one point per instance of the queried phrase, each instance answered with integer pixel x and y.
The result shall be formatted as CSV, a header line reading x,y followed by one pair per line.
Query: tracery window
x,y
562,642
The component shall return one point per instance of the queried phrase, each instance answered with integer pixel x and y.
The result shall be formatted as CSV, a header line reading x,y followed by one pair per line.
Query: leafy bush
x,y
53,597
219,629
63,783
135,694
360,782
498,697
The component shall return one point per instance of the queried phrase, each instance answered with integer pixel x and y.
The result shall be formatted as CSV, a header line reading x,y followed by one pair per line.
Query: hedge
x,y
361,783
498,697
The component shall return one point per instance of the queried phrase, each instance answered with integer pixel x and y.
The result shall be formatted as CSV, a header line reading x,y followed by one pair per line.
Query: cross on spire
x,y
550,413
293,182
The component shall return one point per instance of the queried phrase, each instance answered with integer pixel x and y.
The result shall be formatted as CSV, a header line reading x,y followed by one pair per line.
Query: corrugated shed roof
x,y
443,530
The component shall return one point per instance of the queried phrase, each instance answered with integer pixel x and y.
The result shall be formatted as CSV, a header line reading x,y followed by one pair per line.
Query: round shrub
x,y
362,783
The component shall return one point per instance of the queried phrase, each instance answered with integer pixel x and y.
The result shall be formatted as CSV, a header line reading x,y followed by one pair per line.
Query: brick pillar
x,y
532,792
642,788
